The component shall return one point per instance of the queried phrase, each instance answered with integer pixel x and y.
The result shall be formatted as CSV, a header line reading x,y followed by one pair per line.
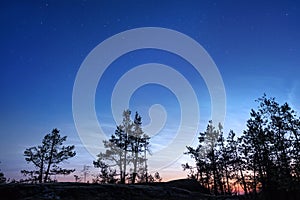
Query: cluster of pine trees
x,y
266,157
125,157
124,161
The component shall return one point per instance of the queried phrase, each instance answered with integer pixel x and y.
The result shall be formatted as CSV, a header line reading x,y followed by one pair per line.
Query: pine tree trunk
x,y
41,168
227,182
214,173
124,164
146,167
135,166
244,182
49,161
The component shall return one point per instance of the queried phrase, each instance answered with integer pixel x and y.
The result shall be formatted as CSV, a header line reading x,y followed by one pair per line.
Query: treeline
x,y
266,157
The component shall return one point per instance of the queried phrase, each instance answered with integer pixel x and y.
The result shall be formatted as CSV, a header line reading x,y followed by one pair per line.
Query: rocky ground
x,y
174,190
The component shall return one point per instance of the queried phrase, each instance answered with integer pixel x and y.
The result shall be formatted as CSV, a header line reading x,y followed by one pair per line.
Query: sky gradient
x,y
254,44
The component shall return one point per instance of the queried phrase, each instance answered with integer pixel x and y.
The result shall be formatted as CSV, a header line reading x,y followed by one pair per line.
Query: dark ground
x,y
173,190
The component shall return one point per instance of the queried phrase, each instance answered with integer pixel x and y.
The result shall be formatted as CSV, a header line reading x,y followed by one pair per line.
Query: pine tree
x,y
2,177
295,150
266,157
47,157
236,161
223,160
127,148
114,154
139,143
106,175
271,140
206,159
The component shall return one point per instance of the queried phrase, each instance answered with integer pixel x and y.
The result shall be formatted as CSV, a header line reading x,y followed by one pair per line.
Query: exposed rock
x,y
188,184
174,190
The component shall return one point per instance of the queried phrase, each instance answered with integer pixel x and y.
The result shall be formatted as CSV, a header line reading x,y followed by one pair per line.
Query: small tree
x,y
157,177
47,157
2,177
106,175
77,178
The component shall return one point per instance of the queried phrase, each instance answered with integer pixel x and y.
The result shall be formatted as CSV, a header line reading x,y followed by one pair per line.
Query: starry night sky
x,y
255,45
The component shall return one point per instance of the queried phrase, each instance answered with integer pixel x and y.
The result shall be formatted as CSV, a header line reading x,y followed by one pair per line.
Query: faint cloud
x,y
292,96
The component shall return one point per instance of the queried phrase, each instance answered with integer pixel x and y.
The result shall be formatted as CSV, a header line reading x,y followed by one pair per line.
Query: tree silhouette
x,y
127,147
106,175
139,143
47,157
223,154
266,157
2,177
208,170
271,140
236,161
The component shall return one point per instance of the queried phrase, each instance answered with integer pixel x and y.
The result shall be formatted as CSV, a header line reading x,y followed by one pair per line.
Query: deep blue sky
x,y
255,45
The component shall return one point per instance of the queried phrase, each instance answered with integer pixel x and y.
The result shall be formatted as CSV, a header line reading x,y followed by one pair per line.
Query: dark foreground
x,y
174,190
